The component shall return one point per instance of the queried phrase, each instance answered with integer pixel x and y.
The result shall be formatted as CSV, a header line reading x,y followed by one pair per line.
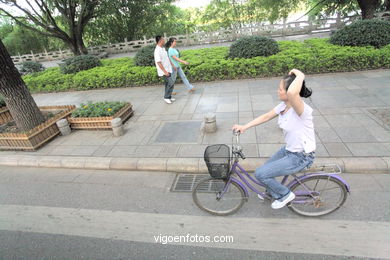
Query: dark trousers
x,y
169,84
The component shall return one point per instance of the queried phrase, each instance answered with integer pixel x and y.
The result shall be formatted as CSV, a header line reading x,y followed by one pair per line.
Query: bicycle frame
x,y
244,183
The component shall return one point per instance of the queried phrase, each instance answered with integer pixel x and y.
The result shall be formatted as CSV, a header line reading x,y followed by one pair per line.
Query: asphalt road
x,y
90,214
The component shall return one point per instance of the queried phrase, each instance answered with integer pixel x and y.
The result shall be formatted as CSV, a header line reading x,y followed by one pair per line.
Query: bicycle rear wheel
x,y
218,197
318,195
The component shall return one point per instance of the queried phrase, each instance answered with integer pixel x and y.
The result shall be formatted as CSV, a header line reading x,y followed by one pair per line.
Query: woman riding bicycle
x,y
296,121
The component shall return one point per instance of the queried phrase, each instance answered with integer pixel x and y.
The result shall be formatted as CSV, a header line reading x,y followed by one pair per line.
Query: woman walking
x,y
296,120
174,56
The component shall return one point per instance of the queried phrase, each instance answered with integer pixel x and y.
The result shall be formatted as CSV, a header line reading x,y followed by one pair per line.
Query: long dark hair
x,y
305,92
169,42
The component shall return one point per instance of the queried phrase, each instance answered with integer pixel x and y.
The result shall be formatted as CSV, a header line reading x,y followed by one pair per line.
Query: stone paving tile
x,y
198,116
387,145
343,120
327,134
205,108
159,117
112,140
84,150
223,115
321,150
222,136
148,151
320,121
103,150
169,150
191,151
383,181
86,137
123,151
64,150
337,150
368,149
340,102
250,150
185,116
354,134
178,132
267,150
229,107
380,134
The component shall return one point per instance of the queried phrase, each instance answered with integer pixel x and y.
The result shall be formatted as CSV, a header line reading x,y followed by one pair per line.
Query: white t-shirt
x,y
298,130
161,55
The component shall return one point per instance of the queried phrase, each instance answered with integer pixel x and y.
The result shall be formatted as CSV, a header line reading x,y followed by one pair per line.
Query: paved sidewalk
x,y
351,116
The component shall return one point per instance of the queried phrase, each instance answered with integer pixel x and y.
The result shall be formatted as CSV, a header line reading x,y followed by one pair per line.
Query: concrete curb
x,y
181,165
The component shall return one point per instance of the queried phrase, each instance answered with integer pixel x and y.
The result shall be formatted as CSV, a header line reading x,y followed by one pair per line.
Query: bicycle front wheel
x,y
218,197
318,195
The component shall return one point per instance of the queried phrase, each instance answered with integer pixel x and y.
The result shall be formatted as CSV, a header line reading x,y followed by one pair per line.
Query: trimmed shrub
x,y
79,63
363,33
98,109
145,56
2,101
310,56
253,46
28,67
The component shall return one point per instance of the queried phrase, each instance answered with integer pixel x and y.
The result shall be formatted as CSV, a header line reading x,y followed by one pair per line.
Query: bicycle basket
x,y
217,158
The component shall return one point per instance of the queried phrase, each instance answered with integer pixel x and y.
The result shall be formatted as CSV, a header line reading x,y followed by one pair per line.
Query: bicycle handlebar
x,y
237,149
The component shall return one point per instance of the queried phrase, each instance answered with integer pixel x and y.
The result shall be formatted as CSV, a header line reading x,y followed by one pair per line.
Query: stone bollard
x,y
117,127
210,123
64,127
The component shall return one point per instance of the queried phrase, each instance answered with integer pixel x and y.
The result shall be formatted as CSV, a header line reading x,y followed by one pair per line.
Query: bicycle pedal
x,y
260,197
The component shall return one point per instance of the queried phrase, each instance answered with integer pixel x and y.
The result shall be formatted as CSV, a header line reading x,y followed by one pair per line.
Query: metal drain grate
x,y
185,182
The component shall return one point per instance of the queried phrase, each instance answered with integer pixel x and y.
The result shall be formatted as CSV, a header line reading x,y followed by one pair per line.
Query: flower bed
x,y
99,122
38,136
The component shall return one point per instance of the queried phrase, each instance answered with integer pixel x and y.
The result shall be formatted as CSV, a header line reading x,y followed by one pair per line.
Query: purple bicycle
x,y
318,192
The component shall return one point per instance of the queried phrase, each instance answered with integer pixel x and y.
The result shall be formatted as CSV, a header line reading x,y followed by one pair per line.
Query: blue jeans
x,y
169,83
183,77
280,164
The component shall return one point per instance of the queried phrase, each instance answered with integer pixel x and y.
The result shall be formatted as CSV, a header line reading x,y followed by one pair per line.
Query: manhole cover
x,y
179,132
186,182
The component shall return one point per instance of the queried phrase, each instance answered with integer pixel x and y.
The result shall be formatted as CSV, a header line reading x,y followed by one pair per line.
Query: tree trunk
x,y
80,43
368,8
387,5
18,99
72,44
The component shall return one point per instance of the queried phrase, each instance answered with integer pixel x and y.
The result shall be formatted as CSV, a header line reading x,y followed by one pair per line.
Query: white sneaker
x,y
278,204
173,99
167,100
260,197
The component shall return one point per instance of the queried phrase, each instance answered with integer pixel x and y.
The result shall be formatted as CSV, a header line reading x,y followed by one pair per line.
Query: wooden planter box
x,y
100,123
5,115
37,136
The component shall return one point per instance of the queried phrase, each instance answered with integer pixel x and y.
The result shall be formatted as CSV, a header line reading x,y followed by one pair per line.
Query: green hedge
x,y
28,67
145,56
253,46
363,33
311,56
79,63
